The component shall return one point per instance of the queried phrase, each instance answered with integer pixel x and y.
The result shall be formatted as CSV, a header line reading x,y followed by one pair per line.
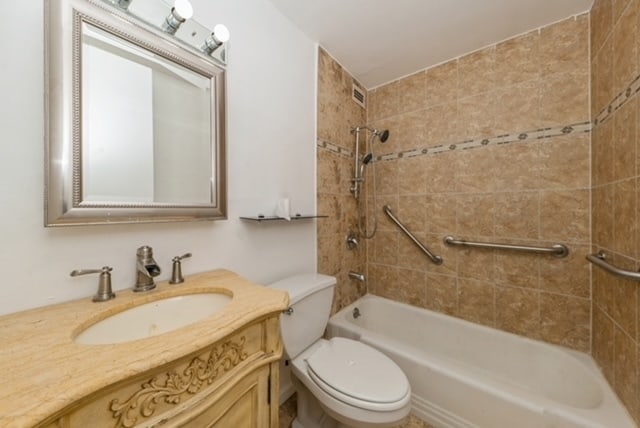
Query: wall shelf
x,y
274,218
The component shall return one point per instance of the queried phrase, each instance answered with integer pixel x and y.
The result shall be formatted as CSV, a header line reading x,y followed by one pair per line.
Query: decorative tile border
x,y
516,137
620,100
341,151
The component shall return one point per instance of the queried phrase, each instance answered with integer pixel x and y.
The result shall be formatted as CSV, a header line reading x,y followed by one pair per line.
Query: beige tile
x,y
601,23
412,212
565,321
564,99
603,285
517,108
475,213
603,332
626,370
624,141
435,244
383,280
328,258
409,255
442,294
414,422
515,167
442,83
329,176
441,213
516,215
386,248
625,222
288,412
386,176
603,153
564,215
568,275
602,215
602,78
476,263
564,46
441,123
565,162
624,295
384,223
517,59
517,269
618,7
477,115
412,176
471,67
475,170
625,52
517,311
409,131
400,96
412,287
441,172
476,301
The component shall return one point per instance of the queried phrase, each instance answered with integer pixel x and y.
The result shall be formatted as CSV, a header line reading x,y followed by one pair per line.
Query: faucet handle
x,y
104,292
176,272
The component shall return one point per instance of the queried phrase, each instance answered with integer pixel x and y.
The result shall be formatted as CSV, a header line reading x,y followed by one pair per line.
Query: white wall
x,y
271,152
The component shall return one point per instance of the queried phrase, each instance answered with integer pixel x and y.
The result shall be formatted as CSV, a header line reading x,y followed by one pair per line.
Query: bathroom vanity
x,y
220,371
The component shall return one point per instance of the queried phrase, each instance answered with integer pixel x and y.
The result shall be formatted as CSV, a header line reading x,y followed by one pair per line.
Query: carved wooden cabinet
x,y
233,383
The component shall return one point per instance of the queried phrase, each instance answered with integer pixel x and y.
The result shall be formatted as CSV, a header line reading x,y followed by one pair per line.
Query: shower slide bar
x,y
435,259
557,250
600,260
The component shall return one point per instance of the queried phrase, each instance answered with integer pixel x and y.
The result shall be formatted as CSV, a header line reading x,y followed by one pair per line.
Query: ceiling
x,y
382,40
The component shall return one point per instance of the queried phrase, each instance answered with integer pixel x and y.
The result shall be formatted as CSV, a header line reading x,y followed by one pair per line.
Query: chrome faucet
x,y
176,271
104,292
146,269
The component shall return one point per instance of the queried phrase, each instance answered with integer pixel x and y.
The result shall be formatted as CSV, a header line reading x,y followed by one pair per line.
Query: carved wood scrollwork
x,y
199,372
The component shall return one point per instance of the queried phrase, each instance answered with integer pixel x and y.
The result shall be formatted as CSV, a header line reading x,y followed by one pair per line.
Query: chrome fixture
x,y
219,36
435,259
146,269
180,12
104,292
124,4
558,250
356,313
352,241
355,275
176,271
360,163
600,260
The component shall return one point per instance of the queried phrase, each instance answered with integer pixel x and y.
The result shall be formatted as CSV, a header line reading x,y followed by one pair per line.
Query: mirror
x,y
134,121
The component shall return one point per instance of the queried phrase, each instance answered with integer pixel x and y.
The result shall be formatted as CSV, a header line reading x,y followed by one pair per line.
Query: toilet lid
x,y
358,374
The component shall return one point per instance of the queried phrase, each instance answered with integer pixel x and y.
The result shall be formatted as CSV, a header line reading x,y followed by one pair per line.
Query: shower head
x,y
367,159
383,135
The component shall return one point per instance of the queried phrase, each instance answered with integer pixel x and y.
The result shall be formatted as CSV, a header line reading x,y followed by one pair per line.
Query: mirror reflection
x,y
146,125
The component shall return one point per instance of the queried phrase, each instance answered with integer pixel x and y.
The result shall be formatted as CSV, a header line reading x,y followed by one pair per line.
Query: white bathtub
x,y
466,375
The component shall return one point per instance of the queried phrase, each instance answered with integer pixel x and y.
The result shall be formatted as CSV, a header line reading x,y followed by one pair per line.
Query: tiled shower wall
x,y
337,115
493,146
615,179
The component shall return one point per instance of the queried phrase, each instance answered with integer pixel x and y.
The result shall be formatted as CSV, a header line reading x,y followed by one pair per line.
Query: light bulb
x,y
221,33
183,8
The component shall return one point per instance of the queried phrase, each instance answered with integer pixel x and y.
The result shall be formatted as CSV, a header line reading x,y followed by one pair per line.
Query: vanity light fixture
x,y
219,36
180,12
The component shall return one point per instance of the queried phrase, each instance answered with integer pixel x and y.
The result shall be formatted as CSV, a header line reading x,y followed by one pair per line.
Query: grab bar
x,y
435,259
600,261
558,250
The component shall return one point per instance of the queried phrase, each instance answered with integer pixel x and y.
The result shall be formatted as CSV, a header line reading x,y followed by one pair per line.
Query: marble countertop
x,y
44,370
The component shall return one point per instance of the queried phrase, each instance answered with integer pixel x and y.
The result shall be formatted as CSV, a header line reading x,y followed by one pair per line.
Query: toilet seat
x,y
358,375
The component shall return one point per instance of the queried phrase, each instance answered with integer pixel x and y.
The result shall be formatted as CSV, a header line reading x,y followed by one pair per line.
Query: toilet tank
x,y
310,298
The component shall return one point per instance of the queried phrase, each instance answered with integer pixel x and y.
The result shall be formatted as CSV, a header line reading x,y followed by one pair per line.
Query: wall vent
x,y
358,95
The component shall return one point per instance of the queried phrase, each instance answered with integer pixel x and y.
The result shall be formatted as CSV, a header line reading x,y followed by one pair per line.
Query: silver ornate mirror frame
x,y
63,118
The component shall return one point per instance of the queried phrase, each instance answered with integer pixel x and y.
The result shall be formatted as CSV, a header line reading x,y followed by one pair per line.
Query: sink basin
x,y
153,318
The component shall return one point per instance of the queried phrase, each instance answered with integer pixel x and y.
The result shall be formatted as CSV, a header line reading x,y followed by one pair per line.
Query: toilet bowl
x,y
340,382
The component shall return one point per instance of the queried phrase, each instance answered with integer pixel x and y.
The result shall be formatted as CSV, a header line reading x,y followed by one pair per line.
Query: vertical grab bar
x,y
435,259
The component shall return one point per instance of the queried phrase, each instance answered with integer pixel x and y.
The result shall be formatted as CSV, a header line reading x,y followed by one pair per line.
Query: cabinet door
x,y
246,405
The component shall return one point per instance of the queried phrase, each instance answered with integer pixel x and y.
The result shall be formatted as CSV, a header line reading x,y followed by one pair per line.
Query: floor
x,y
288,413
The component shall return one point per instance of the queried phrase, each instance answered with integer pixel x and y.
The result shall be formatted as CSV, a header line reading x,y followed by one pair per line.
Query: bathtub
x,y
467,375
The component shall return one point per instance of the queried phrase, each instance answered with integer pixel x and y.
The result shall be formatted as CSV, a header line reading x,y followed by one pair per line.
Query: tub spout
x,y
355,275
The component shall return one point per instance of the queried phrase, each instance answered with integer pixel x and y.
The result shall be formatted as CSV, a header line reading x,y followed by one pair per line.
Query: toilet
x,y
341,383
